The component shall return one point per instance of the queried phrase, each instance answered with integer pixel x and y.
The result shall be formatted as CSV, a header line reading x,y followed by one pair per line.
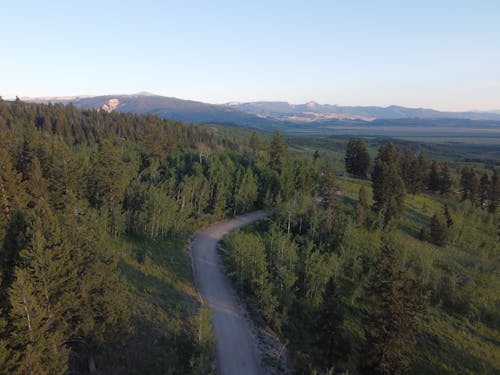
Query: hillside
x,y
310,119
313,111
166,107
96,209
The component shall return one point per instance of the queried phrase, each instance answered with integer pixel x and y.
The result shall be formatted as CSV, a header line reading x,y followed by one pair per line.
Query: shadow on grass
x,y
162,293
458,359
158,278
156,350
414,221
170,254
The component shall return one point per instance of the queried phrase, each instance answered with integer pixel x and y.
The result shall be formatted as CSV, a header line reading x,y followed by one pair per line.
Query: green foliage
x,y
95,209
445,181
357,158
469,183
334,296
391,324
278,152
362,213
494,192
246,258
439,230
388,186
205,354
329,194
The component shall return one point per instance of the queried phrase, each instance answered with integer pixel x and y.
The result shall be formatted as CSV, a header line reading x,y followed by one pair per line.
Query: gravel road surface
x,y
237,352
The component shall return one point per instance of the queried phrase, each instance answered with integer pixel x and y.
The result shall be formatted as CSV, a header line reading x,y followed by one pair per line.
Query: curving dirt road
x,y
237,352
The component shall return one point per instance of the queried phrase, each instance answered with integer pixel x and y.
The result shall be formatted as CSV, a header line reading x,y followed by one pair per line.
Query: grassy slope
x,y
450,343
472,151
163,301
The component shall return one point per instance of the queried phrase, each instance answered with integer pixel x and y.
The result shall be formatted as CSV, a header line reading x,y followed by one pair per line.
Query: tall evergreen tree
x,y
13,242
98,317
278,152
246,192
447,216
419,173
391,323
434,179
445,181
254,144
357,158
494,192
107,176
439,230
388,186
484,185
362,207
469,183
407,172
42,296
329,193
12,193
331,341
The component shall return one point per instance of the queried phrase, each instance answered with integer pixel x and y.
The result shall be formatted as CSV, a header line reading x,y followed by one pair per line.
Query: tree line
x,y
70,180
320,265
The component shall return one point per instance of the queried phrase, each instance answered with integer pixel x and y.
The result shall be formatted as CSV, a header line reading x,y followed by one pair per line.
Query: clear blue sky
x,y
433,53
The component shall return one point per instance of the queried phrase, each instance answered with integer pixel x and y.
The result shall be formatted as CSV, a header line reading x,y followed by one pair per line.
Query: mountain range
x,y
269,115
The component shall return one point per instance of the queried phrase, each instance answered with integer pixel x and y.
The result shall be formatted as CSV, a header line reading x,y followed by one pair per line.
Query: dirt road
x,y
237,352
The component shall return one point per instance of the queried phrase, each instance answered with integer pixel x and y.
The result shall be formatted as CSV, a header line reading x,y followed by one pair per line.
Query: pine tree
x,y
13,242
329,193
407,172
65,175
484,185
434,180
8,357
42,296
254,144
246,192
388,186
357,158
35,182
331,341
391,324
447,216
494,192
469,183
445,181
12,193
34,336
362,207
107,176
99,319
420,171
278,152
439,230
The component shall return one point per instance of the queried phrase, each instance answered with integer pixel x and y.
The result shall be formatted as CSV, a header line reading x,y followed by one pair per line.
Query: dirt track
x,y
237,352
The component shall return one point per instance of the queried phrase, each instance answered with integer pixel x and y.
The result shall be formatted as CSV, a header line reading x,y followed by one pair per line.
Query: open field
x,y
450,343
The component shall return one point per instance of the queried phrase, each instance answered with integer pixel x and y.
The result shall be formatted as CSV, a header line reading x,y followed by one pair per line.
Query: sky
x,y
428,53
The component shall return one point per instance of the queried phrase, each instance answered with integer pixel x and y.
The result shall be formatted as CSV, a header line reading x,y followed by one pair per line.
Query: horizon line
x,y
149,93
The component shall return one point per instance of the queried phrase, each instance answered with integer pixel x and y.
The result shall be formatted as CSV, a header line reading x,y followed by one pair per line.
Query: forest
x,y
389,269
390,276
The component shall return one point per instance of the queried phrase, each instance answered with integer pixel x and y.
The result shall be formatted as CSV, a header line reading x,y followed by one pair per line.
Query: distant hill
x,y
167,107
313,111
296,119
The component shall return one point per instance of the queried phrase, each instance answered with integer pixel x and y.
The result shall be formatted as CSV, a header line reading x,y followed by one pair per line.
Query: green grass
x,y
458,150
453,345
450,342
163,301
